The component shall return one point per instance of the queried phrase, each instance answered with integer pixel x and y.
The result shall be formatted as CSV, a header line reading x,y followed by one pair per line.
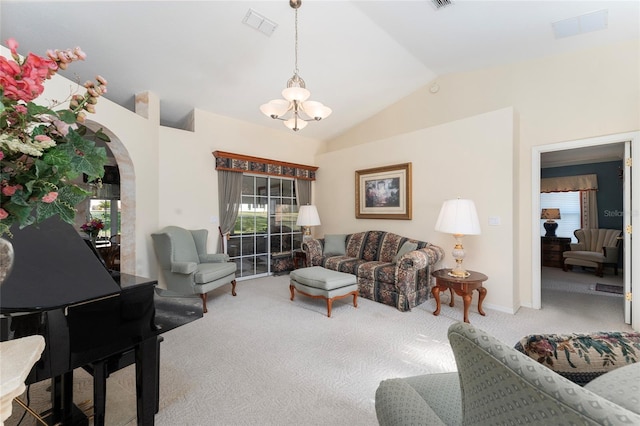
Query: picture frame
x,y
384,192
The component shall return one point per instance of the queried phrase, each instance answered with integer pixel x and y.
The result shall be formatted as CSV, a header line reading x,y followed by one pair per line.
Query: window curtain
x,y
303,192
589,209
588,187
229,197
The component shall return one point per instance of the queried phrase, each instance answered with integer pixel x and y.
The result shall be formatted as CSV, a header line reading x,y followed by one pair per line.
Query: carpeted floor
x,y
261,359
579,281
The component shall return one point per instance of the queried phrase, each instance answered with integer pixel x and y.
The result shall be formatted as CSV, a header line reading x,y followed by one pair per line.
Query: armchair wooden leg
x,y
599,270
233,287
203,296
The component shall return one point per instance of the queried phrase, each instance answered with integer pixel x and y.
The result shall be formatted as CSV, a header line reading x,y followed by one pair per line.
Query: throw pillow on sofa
x,y
406,248
582,357
335,245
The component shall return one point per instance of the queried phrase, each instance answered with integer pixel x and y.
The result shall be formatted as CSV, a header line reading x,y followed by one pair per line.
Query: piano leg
x,y
100,374
63,410
147,358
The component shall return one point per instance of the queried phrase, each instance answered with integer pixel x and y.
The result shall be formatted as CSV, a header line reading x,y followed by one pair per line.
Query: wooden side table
x,y
462,287
299,256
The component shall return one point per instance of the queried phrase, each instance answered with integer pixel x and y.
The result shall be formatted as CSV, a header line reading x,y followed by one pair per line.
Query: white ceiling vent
x,y
441,3
581,24
259,22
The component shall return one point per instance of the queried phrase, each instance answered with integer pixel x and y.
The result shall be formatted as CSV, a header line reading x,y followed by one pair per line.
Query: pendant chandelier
x,y
295,110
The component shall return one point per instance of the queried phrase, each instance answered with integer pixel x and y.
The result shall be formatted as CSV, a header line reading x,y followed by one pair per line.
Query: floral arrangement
x,y
44,152
92,227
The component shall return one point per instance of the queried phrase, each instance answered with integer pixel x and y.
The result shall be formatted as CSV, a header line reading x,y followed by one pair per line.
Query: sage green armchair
x,y
497,385
187,267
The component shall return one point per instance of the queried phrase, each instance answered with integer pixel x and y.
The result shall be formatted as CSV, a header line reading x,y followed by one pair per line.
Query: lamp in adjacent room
x,y
307,217
458,217
550,225
295,110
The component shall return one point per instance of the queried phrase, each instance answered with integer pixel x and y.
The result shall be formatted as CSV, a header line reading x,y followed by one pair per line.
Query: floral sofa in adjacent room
x,y
390,269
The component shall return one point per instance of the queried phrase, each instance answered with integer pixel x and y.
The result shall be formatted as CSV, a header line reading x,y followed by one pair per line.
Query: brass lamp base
x,y
458,273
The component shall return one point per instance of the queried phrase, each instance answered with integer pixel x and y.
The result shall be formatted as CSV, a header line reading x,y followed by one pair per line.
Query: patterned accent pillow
x,y
406,248
334,245
582,357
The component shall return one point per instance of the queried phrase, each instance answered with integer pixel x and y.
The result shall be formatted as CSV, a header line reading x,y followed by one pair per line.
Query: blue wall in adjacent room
x,y
610,191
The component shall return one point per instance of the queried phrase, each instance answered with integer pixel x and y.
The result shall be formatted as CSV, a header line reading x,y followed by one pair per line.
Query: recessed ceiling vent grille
x,y
259,22
439,4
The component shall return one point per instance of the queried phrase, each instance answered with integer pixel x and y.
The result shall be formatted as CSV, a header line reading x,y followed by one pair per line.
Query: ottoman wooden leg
x,y
291,288
329,303
355,299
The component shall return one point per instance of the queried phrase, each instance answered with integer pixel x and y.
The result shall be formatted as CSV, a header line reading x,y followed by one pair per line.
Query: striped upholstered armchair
x,y
595,248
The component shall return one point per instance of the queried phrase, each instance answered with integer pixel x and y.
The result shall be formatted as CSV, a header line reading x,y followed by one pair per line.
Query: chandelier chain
x,y
296,44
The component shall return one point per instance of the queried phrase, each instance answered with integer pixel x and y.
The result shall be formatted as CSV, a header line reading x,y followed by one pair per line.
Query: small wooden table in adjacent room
x,y
462,287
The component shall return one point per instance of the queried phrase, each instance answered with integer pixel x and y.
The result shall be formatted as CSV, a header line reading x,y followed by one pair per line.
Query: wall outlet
x,y
494,220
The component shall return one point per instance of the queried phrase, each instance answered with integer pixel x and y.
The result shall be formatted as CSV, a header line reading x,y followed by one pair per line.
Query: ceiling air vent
x,y
259,22
439,4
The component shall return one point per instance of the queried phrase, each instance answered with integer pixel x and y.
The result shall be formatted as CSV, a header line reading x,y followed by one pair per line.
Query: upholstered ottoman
x,y
319,282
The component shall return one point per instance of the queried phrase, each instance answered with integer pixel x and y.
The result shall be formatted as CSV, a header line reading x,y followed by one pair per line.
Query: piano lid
x,y
53,268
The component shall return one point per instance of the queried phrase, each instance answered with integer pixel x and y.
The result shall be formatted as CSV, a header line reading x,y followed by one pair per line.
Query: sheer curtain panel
x,y
229,195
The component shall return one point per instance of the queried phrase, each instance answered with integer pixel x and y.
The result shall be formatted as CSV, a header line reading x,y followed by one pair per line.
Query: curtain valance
x,y
244,163
569,183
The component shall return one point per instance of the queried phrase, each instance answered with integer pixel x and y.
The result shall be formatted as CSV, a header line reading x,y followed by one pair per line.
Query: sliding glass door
x,y
266,224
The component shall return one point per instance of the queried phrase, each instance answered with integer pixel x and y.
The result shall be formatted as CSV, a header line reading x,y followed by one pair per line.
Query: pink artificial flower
x,y
50,197
12,44
79,53
20,109
3,214
9,190
1,155
42,138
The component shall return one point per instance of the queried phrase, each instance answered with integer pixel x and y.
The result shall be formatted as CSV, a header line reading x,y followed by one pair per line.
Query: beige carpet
x,y
261,359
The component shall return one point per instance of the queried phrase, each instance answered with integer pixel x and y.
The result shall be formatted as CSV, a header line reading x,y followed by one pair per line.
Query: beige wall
x,y
448,161
562,98
188,181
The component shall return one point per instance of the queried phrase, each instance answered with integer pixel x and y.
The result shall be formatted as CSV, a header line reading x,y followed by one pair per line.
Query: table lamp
x,y
550,225
307,217
458,217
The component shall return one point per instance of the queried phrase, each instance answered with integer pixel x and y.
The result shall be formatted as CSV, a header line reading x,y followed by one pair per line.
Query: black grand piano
x,y
90,317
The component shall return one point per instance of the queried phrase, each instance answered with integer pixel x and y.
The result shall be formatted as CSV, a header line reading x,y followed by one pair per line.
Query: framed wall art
x,y
384,192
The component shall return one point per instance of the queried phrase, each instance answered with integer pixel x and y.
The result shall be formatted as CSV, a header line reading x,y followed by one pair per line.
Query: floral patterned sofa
x,y
390,269
582,357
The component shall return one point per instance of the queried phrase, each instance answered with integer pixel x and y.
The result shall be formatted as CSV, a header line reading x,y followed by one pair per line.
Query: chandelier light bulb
x,y
299,94
295,123
316,110
275,108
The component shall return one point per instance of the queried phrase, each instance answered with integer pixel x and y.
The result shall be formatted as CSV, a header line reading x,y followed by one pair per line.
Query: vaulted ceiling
x,y
357,57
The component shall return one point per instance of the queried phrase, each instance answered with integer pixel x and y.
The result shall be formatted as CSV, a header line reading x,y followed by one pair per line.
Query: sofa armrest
x,y
313,251
610,254
214,258
412,263
397,403
184,267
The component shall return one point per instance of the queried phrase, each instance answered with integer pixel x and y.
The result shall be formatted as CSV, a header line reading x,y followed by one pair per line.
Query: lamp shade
x,y
308,216
458,216
550,214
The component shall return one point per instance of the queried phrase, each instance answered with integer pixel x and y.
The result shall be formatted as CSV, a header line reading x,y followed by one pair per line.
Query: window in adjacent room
x,y
569,205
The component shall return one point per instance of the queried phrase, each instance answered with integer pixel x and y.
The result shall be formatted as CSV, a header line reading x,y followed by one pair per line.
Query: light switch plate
x,y
494,220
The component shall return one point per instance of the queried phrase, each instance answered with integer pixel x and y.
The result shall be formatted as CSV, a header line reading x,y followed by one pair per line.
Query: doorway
x,y
631,142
